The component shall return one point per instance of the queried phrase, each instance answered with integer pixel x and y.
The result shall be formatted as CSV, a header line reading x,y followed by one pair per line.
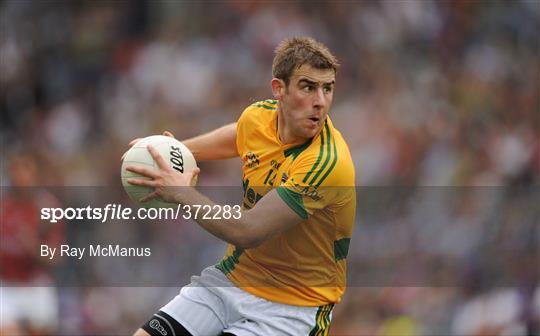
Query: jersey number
x,y
270,177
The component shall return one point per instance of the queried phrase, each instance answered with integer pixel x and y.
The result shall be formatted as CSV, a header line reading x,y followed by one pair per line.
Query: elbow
x,y
247,238
248,242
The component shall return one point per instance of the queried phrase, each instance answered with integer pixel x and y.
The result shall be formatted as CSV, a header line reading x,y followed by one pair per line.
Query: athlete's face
x,y
305,102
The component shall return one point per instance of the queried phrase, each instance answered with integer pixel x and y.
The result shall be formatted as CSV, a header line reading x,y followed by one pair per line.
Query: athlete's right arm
x,y
215,145
218,144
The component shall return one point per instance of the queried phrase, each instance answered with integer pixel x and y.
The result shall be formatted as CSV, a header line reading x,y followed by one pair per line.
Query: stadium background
x,y
430,93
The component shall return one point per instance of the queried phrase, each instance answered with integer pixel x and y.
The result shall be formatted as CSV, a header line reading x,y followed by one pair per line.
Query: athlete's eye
x,y
327,89
307,88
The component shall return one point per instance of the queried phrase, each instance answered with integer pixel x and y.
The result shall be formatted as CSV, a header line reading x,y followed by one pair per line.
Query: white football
x,y
175,153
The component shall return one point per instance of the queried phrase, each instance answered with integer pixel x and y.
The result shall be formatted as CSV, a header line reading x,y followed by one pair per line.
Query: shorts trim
x,y
322,321
162,324
165,320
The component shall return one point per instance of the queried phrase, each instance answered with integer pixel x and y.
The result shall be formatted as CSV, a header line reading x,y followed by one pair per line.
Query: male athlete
x,y
285,266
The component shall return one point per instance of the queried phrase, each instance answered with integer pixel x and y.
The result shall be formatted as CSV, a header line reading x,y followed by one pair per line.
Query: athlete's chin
x,y
310,132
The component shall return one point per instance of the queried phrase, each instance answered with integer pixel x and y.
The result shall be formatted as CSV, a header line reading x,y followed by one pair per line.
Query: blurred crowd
x,y
432,96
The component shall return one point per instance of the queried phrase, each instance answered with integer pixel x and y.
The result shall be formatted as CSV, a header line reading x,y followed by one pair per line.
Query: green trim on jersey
x,y
268,104
293,200
295,151
327,150
228,264
319,158
341,248
331,166
265,106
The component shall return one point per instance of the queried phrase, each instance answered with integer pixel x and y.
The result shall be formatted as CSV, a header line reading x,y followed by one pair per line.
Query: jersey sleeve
x,y
316,181
241,131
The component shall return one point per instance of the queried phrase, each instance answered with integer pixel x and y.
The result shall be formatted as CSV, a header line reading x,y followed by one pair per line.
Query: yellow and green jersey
x,y
306,264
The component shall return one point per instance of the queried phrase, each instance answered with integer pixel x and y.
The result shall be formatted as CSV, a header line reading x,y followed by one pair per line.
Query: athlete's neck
x,y
285,134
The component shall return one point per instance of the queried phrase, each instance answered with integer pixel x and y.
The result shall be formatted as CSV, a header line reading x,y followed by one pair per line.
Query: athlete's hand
x,y
134,141
167,182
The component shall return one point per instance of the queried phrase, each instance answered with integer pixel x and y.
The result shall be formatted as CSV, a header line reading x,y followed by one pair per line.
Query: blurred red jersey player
x,y
29,303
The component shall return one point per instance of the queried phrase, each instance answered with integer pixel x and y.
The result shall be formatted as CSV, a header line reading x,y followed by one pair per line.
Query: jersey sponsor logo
x,y
251,160
250,195
308,191
154,324
284,178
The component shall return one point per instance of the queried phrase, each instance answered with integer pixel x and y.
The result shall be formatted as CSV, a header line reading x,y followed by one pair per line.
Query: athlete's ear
x,y
278,88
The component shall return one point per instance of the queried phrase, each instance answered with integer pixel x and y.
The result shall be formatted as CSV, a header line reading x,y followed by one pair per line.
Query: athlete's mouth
x,y
314,119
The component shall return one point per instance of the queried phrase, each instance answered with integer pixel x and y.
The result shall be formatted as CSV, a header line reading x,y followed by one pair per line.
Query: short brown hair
x,y
294,52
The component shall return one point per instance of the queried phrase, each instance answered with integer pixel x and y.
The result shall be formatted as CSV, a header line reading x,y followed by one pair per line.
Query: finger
x,y
143,171
158,158
148,197
169,134
133,142
142,183
194,176
195,171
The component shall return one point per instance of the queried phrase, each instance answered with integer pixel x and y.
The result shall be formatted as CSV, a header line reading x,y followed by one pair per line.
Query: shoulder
x,y
268,104
260,111
254,127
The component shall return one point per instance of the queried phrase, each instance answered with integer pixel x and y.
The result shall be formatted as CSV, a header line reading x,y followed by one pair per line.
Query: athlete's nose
x,y
318,100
